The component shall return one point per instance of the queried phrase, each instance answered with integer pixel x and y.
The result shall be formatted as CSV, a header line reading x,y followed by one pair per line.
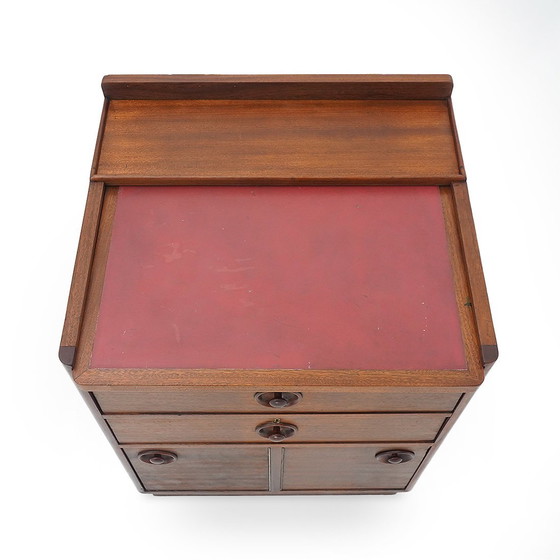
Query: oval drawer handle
x,y
278,399
395,457
276,431
155,457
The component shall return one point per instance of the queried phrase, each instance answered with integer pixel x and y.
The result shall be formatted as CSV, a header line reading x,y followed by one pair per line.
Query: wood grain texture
x,y
94,409
462,289
204,400
240,428
298,469
293,142
348,467
458,151
227,468
479,294
81,275
100,134
97,259
316,86
441,436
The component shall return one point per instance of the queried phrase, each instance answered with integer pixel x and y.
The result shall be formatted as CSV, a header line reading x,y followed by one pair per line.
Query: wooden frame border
x,y
81,276
94,379
291,86
153,181
473,264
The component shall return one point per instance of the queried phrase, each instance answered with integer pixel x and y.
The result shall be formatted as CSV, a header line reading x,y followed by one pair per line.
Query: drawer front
x,y
204,468
348,467
241,428
196,400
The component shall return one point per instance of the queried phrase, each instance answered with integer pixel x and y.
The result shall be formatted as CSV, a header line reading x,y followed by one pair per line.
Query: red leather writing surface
x,y
279,277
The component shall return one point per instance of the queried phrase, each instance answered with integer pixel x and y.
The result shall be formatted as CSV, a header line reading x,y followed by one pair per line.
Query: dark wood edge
x,y
67,355
94,408
456,142
304,86
81,275
441,436
388,492
489,355
138,180
420,380
469,331
99,141
479,295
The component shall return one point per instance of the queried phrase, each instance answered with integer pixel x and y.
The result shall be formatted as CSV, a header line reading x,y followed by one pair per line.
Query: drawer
x,y
241,428
196,400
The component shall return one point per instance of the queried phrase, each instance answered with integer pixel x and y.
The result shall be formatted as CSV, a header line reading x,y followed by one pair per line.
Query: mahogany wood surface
x,y
444,432
479,294
295,86
215,400
91,403
205,468
349,467
81,276
295,142
240,428
456,141
338,468
100,135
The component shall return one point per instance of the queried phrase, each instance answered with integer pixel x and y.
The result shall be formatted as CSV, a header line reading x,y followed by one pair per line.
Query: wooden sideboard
x,y
278,288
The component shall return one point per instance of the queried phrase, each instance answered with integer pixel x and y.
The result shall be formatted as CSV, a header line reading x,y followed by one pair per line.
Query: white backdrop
x,y
492,489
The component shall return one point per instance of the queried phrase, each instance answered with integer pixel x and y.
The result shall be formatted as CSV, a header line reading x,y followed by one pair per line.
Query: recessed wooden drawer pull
x,y
276,431
395,457
157,457
278,399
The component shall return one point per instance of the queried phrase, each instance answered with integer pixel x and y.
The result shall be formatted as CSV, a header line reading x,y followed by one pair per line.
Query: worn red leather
x,y
279,277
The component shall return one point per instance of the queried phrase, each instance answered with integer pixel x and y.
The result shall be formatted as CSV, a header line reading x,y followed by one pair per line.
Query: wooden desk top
x,y
277,230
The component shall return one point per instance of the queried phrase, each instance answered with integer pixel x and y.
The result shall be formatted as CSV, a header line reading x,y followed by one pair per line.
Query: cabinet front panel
x,y
347,467
244,401
241,428
218,468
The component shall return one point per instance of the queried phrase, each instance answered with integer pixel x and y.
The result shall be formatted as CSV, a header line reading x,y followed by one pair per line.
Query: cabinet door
x,y
202,467
348,467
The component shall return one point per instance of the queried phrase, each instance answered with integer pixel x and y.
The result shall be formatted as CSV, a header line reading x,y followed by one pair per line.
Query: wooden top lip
x,y
277,86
